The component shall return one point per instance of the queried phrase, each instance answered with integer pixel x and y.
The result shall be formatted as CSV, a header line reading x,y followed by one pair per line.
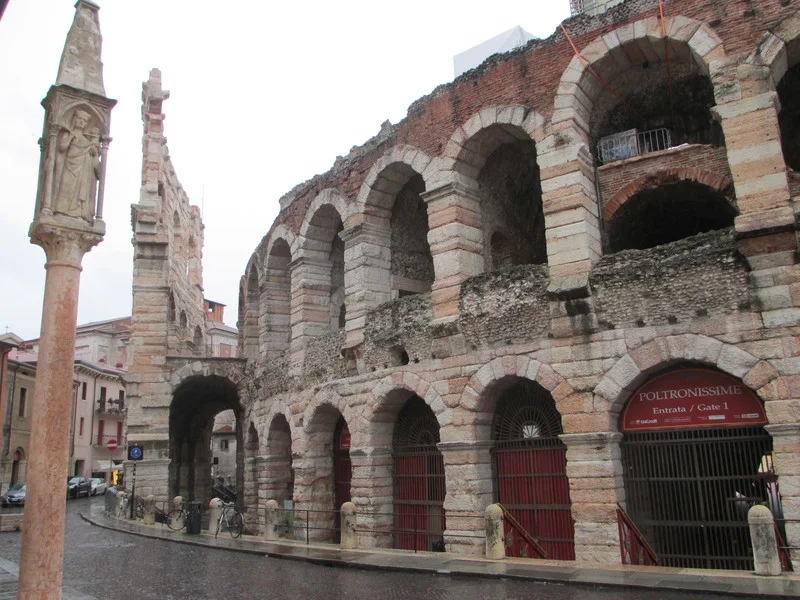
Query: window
x,y
102,394
83,391
119,433
100,427
121,400
80,428
23,401
223,444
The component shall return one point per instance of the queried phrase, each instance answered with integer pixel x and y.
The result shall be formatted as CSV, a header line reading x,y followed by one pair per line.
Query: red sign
x,y
112,445
692,398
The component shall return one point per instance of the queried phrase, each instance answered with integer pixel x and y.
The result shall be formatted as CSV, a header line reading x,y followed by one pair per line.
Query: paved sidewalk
x,y
739,583
9,575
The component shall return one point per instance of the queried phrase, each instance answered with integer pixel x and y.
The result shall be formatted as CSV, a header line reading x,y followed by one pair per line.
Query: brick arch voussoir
x,y
282,232
278,408
633,368
330,196
720,183
411,156
499,368
406,380
771,50
457,152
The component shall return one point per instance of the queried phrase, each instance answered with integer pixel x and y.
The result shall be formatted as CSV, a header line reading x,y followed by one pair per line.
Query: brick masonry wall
x,y
615,176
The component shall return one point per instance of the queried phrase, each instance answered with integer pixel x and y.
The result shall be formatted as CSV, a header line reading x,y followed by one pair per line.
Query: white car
x,y
99,486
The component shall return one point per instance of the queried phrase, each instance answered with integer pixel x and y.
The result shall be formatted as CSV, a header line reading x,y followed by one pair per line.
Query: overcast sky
x,y
263,96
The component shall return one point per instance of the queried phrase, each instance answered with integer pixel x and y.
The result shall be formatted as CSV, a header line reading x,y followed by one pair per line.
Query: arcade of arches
x,y
577,299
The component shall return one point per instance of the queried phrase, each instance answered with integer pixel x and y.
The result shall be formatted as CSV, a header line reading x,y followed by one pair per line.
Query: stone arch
x,y
322,252
251,306
632,369
327,397
277,442
390,173
716,181
485,387
200,391
778,50
277,297
606,56
387,399
472,143
329,196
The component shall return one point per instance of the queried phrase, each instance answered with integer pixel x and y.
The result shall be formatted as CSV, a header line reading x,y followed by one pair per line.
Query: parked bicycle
x,y
178,518
231,518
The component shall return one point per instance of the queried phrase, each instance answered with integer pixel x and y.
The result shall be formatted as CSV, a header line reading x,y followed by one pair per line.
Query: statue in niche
x,y
77,169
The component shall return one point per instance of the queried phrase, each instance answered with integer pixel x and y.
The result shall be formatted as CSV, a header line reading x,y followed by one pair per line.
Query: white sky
x,y
263,96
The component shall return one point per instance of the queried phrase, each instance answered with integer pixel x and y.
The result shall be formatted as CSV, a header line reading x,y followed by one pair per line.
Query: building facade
x,y
566,282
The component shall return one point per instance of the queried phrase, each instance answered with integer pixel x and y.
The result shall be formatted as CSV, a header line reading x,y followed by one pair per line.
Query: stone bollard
x,y
348,538
150,510
765,545
177,503
214,511
495,533
122,504
272,527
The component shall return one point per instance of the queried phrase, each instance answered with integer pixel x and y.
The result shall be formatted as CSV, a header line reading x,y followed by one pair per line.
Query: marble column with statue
x,y
67,223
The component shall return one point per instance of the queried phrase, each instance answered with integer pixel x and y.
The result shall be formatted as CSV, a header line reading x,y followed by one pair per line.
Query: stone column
x,y
66,226
372,492
570,209
786,447
468,473
367,275
456,240
313,493
43,531
311,312
594,469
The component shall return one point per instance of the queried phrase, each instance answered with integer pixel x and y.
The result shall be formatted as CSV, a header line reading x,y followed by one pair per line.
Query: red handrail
x,y
633,548
515,525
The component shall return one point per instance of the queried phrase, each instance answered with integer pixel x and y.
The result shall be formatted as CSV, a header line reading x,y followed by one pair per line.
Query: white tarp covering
x,y
505,42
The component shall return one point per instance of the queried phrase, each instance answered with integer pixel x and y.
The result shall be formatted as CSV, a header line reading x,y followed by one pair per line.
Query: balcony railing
x,y
628,144
592,7
111,405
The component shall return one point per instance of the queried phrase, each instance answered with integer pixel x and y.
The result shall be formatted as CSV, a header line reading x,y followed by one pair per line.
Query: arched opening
x,y
789,117
171,315
251,315
695,458
648,103
184,323
279,477
530,463
278,294
668,213
325,249
511,203
195,404
419,482
412,262
342,473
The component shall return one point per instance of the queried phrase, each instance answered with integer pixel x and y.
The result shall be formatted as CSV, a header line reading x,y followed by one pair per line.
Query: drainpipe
x,y
12,385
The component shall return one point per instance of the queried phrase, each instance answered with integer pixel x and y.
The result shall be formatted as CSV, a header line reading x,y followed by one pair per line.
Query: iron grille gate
x,y
531,483
530,469
689,491
419,483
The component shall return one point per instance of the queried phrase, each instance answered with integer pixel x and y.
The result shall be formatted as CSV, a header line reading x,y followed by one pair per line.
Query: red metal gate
x,y
342,471
530,471
419,484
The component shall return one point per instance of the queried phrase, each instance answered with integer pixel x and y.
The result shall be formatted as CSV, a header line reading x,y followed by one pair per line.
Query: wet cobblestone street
x,y
113,565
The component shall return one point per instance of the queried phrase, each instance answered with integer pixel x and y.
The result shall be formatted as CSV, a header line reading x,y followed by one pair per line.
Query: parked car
x,y
99,486
14,496
78,486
